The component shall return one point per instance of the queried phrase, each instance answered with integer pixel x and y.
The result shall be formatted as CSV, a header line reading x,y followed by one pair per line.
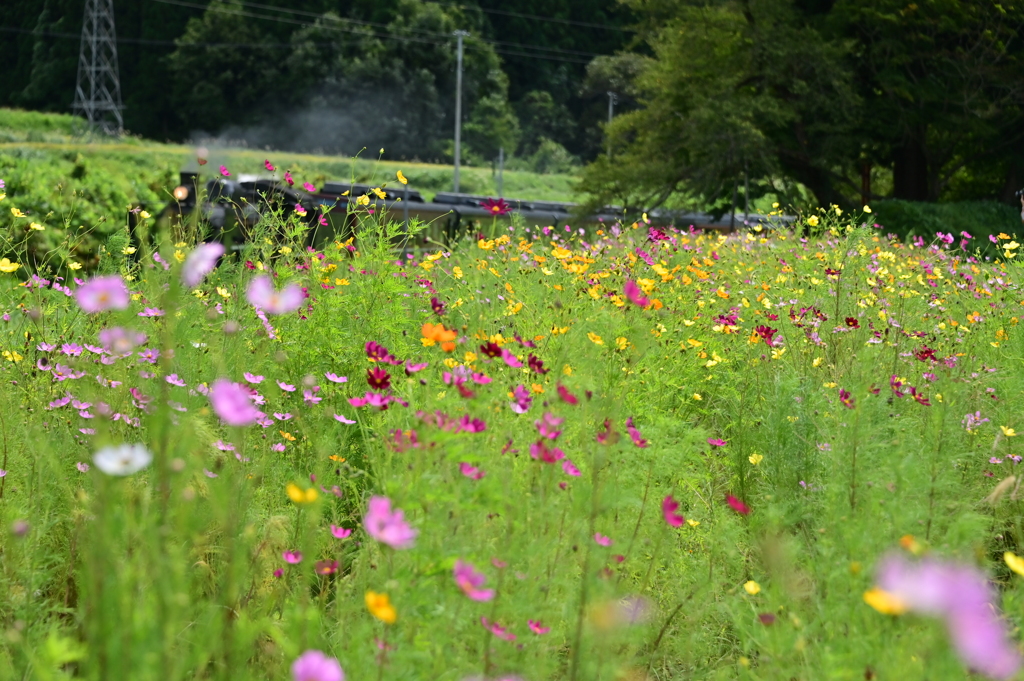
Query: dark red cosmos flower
x,y
766,333
525,343
378,352
491,349
925,354
496,206
438,306
829,272
852,323
536,364
378,378
921,399
846,398
896,384
655,234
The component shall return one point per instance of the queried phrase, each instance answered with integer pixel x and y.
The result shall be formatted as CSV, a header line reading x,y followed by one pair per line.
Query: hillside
x,y
49,166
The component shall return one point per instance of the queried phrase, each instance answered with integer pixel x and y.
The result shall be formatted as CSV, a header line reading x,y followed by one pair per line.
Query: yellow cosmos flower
x,y
36,226
401,177
1014,562
561,253
755,458
8,266
457,272
379,193
1008,432
380,607
884,602
75,265
813,221
301,496
594,338
17,213
363,200
128,250
223,292
12,356
752,587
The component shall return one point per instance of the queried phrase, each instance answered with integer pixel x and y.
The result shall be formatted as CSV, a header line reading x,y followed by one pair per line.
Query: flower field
x,y
540,452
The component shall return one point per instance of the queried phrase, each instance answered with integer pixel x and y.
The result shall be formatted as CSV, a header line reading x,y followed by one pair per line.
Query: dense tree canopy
x,y
925,99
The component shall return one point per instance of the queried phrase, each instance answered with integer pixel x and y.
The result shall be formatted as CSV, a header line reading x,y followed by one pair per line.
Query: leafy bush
x,y
980,219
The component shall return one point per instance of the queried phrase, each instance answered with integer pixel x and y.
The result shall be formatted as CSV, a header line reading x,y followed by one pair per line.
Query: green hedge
x,y
977,218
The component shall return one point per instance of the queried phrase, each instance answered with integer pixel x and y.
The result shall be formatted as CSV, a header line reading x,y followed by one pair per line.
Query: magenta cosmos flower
x,y
669,506
959,594
387,526
261,294
471,581
232,402
199,263
635,294
313,665
103,293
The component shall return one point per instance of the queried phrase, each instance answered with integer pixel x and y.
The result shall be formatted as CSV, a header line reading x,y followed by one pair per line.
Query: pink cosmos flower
x,y
669,506
261,294
313,665
83,467
387,526
737,505
269,166
547,426
200,262
634,434
602,540
233,403
471,581
959,594
224,172
308,187
278,447
293,557
287,387
342,419
541,452
340,532
335,378
471,472
510,359
498,630
537,628
288,178
635,294
103,293
569,468
716,442
251,378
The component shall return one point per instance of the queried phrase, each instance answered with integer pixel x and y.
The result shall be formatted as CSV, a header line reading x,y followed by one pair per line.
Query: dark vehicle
x,y
233,207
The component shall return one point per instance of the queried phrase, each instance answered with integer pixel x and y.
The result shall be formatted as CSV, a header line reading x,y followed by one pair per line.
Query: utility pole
x,y
458,107
501,171
611,113
98,87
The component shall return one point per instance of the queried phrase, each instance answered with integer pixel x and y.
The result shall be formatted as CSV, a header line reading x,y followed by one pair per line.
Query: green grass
x,y
169,573
110,174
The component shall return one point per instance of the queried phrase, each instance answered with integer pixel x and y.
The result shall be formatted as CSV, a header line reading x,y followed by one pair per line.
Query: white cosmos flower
x,y
122,459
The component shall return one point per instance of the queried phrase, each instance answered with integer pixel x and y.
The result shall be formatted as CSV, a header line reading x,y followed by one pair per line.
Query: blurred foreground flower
x,y
313,665
123,459
380,607
387,526
959,594
103,293
199,263
261,294
232,403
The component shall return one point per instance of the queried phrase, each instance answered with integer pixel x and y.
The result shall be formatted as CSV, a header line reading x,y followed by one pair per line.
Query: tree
x,y
731,87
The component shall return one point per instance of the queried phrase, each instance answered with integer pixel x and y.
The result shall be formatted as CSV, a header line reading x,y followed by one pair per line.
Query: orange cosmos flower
x,y
439,334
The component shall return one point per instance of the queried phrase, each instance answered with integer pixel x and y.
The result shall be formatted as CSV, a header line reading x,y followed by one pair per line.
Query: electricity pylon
x,y
98,88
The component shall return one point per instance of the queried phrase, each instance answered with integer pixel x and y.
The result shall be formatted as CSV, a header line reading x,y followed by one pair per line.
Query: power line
x,y
569,22
440,37
46,33
362,22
